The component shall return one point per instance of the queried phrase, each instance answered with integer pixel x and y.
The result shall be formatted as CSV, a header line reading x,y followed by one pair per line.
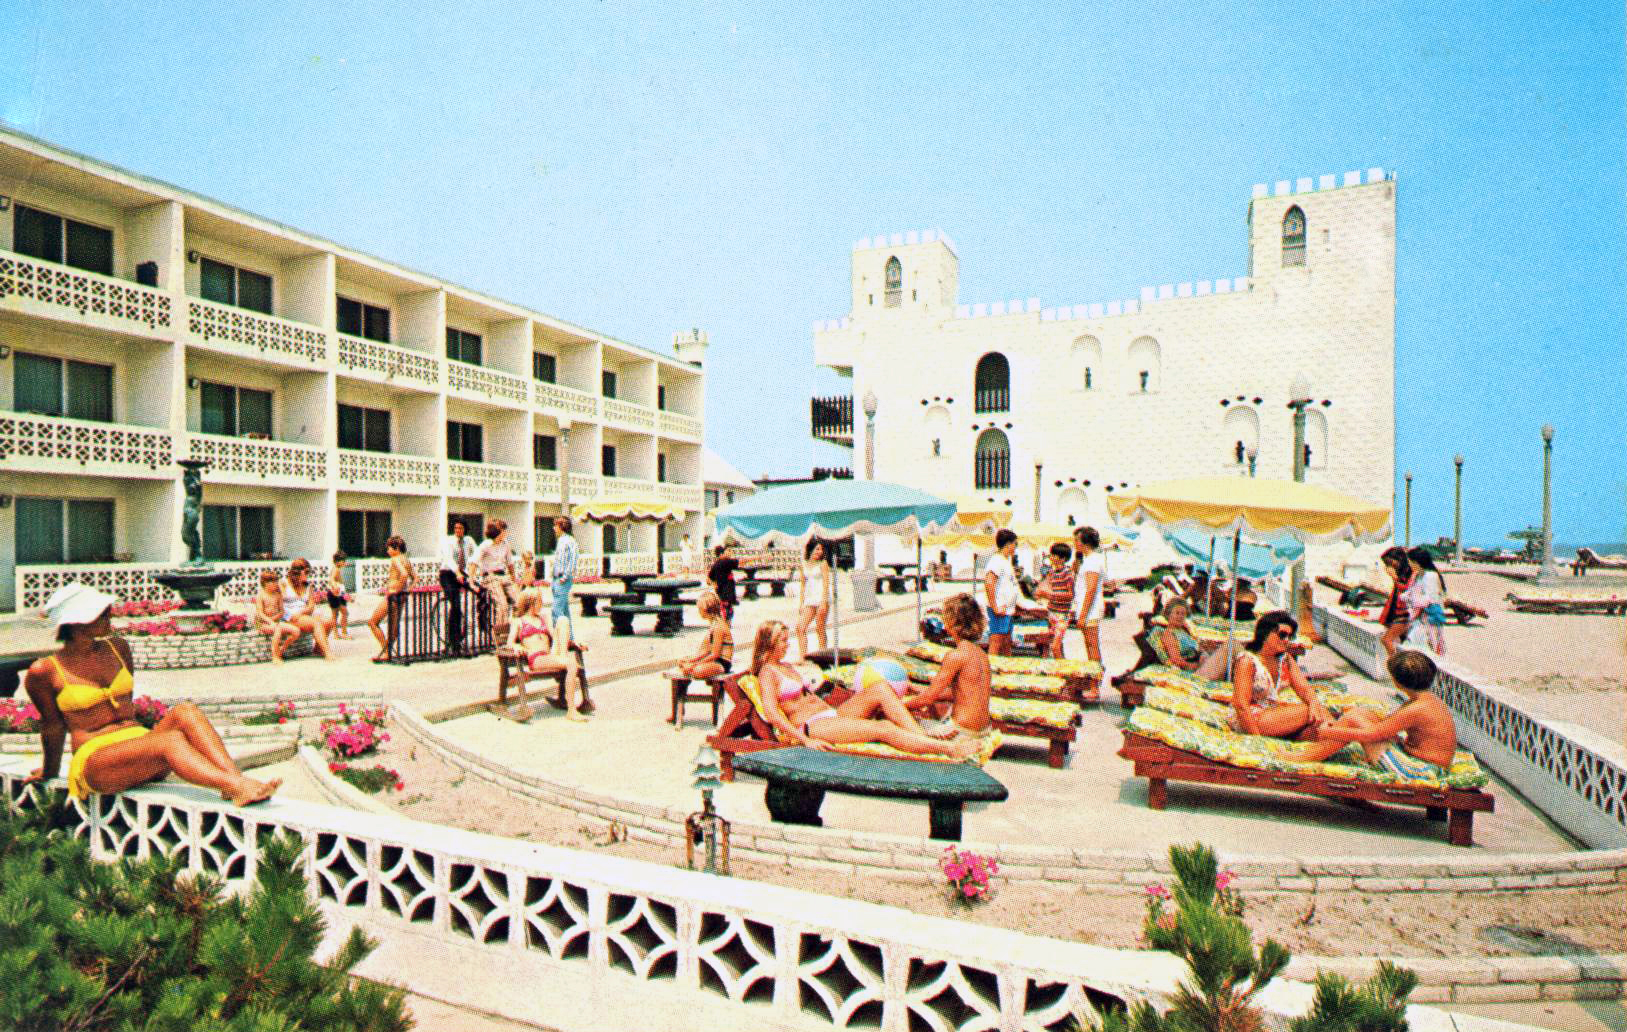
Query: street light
x,y
1039,466
866,602
1457,512
1548,570
870,407
1299,398
1407,541
1253,457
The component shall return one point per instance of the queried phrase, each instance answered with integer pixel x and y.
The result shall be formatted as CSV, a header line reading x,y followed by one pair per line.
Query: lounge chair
x,y
1023,714
1155,667
746,729
1560,602
1166,747
1358,595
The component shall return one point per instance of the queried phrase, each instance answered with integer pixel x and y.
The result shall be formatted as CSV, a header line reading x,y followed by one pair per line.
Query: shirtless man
x,y
963,679
1415,742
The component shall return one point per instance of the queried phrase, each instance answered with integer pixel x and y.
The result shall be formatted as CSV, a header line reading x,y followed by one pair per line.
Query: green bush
x,y
92,946
1225,973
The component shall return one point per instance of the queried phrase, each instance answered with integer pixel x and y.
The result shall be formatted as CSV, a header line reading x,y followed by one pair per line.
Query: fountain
x,y
197,580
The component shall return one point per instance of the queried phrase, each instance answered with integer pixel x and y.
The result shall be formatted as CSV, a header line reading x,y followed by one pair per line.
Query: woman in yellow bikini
x,y
86,690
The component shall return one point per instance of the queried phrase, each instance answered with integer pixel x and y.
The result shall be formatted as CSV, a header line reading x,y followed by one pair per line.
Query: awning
x,y
627,510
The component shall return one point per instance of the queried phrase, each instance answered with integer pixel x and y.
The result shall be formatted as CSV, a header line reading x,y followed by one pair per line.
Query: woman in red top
x,y
1395,615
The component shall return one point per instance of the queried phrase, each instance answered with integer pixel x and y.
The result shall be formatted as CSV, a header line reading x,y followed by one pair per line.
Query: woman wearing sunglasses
x,y
1258,678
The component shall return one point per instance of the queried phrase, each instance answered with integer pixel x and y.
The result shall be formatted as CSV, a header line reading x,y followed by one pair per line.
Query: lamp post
x,y
1299,398
1407,540
1253,457
564,424
1457,512
1548,571
866,600
1039,466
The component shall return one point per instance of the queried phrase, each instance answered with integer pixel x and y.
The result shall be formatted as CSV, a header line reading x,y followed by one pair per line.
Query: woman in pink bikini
x,y
529,632
792,707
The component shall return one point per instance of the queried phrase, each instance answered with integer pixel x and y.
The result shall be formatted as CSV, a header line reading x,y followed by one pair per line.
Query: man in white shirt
x,y
1001,591
1089,590
457,552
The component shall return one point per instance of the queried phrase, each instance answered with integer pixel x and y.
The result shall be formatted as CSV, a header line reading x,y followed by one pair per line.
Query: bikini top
x,y
529,629
74,696
791,688
726,649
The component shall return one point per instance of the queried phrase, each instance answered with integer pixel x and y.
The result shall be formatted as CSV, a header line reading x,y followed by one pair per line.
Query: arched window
x,y
1144,365
895,283
1293,237
1072,506
1240,432
992,465
1087,360
992,384
937,427
1316,439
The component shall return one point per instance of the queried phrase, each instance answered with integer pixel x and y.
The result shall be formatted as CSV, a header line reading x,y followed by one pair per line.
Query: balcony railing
x,y
630,487
545,483
493,383
57,444
832,419
991,399
247,458
396,364
566,399
627,412
64,289
210,322
584,485
678,425
488,480
385,469
686,495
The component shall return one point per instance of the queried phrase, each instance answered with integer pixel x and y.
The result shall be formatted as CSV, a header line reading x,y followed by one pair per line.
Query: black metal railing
x,y
423,624
832,473
832,417
992,471
992,399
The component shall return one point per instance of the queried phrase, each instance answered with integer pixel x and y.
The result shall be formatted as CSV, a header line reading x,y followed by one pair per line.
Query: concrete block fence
x,y
634,941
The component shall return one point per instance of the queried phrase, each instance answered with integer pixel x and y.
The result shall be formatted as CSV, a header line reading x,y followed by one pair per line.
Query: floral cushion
x,y
1189,705
1058,715
1257,752
1332,693
748,685
1213,628
935,653
923,671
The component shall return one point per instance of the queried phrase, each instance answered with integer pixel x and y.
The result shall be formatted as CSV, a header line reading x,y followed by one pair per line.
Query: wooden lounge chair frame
x,y
1462,612
1160,764
511,673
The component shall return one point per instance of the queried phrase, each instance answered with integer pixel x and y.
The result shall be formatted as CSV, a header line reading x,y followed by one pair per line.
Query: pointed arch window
x,y
1293,237
895,283
992,384
991,467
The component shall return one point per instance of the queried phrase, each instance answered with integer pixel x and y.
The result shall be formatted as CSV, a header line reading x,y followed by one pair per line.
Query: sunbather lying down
x,y
874,714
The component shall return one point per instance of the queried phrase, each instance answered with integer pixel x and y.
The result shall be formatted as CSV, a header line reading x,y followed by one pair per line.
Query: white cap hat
x,y
76,603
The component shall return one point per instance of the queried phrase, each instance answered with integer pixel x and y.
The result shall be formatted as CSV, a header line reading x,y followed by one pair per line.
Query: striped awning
x,y
627,510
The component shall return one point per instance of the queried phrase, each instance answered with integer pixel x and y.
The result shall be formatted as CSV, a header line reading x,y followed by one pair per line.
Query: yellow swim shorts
x,y
78,787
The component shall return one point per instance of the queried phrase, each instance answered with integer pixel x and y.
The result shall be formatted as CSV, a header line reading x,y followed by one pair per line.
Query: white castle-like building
x,y
1050,409
338,398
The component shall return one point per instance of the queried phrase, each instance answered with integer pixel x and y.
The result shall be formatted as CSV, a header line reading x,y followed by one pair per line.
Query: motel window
x,y
364,429
544,367
52,386
463,346
661,468
237,532
711,498
230,285
357,319
64,530
233,411
609,539
608,384
53,238
465,442
992,463
544,451
363,532
608,460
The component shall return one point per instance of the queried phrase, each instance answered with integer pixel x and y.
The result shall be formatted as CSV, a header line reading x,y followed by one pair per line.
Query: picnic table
x,y
898,580
798,779
753,577
669,610
666,587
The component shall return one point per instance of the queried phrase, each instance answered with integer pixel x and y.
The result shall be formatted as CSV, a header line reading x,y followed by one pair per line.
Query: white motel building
x,y
338,398
1048,410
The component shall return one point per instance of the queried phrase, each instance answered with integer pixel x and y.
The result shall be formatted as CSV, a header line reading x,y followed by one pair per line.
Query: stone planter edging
x,y
336,790
221,648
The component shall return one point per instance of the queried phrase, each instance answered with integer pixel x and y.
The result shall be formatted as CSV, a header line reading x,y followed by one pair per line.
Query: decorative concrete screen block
x,y
389,361
265,333
1303,185
1327,182
386,469
1283,188
676,423
492,383
488,481
40,442
627,412
88,293
550,395
260,459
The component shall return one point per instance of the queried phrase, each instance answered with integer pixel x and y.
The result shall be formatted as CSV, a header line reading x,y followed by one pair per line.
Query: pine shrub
x,y
142,945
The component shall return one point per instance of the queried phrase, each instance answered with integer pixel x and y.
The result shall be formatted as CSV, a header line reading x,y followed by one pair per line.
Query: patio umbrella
x,y
1265,510
836,508
1253,560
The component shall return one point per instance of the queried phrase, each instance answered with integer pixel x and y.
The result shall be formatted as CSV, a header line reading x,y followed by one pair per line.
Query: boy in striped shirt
x,y
1057,592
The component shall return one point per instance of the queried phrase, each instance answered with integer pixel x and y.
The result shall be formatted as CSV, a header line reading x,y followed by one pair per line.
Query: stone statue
x,y
192,484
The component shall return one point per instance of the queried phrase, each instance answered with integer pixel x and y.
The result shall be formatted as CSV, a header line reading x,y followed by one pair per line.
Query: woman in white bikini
x,y
791,706
1260,674
813,590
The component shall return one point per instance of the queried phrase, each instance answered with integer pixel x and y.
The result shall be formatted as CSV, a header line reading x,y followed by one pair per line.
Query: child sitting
x,y
1415,742
717,651
338,601
269,618
544,651
1056,591
963,680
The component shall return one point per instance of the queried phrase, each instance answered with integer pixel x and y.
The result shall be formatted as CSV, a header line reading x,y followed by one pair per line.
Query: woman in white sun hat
x,y
85,689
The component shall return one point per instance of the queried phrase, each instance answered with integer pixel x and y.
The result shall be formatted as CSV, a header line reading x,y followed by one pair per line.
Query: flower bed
x,y
172,651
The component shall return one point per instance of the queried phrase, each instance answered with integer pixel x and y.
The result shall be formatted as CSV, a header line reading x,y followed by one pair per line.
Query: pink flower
x,y
1224,880
955,871
399,786
974,891
1158,892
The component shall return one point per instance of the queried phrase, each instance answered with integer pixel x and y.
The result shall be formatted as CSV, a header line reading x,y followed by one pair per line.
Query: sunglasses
x,y
1284,633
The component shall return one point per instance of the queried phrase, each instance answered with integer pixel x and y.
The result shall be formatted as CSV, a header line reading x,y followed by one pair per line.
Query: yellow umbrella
x,y
979,515
612,510
1262,508
1036,535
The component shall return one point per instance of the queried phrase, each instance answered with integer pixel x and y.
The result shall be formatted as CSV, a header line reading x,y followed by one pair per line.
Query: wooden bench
x,y
681,695
798,779
668,619
511,673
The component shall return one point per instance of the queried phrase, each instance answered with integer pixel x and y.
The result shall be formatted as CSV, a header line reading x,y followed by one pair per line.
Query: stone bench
x,y
682,694
798,779
668,619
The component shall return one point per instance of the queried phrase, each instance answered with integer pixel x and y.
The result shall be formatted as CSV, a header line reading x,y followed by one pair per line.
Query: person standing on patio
x,y
456,553
721,576
1089,590
495,561
1002,592
565,555
813,586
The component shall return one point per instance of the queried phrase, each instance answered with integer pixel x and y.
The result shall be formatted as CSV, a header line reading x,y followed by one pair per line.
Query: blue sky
x,y
639,169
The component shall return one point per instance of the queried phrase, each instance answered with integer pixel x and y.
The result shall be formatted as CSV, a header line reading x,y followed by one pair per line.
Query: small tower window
x,y
895,283
1088,384
992,384
1293,238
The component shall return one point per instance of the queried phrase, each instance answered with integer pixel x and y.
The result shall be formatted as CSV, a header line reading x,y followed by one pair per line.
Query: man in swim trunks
x,y
1416,742
963,679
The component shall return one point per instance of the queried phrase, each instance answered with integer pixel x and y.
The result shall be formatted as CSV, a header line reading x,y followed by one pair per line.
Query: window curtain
x,y
90,531
90,391
37,384
220,532
39,531
253,411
